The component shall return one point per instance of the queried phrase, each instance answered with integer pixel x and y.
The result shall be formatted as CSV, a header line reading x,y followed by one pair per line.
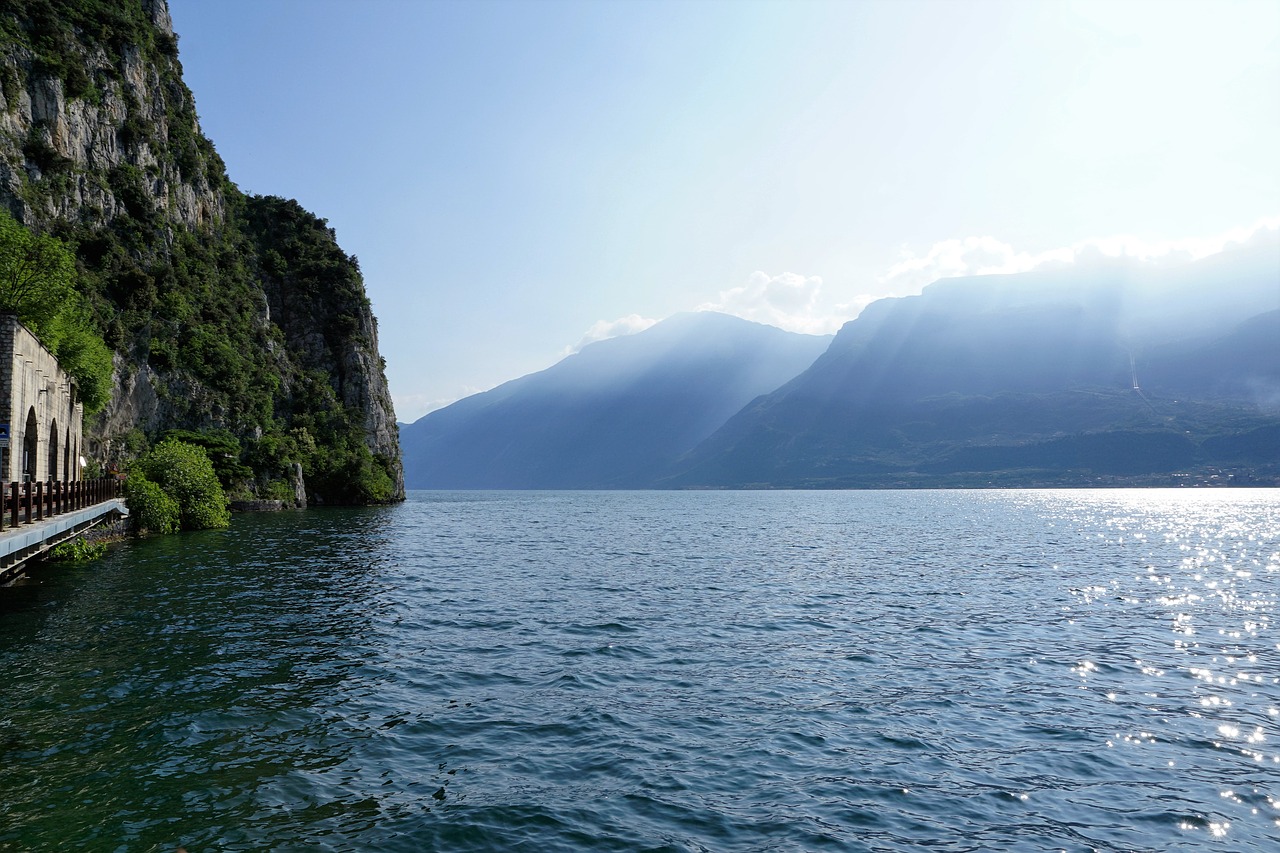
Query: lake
x,y
686,671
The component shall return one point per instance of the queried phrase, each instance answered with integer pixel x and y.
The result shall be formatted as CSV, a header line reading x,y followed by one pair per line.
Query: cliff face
x,y
92,127
230,315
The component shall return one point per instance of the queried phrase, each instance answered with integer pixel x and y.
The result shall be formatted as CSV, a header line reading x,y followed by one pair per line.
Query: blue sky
x,y
519,177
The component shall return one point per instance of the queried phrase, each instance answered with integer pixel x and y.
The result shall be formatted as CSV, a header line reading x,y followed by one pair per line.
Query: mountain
x,y
1071,376
615,415
233,317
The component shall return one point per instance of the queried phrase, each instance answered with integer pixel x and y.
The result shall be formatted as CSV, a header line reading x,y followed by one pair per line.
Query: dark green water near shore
x,y
680,671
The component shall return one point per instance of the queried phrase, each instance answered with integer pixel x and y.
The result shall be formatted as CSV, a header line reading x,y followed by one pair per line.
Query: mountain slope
x,y
614,415
235,316
1024,373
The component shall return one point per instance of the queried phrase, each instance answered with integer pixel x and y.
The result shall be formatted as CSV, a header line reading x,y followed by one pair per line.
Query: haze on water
x,y
660,671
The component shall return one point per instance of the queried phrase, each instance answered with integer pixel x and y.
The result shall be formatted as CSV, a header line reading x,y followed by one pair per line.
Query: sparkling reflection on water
x,y
667,671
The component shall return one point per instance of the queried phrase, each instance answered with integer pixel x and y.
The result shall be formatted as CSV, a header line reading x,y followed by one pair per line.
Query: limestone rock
x,y
103,139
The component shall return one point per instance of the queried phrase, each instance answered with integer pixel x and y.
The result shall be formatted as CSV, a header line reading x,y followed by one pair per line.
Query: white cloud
x,y
800,303
951,258
605,329
987,255
789,301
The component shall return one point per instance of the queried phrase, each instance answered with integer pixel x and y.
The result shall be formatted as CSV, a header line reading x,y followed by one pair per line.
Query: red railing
x,y
23,503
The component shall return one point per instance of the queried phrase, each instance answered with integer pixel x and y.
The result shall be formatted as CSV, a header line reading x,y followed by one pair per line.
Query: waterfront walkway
x,y
36,520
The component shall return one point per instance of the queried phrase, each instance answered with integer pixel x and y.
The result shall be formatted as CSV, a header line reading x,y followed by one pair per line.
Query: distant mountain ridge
x,y
615,415
1108,373
1072,376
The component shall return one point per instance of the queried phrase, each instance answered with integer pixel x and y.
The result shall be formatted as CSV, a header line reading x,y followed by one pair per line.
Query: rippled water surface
x,y
1057,670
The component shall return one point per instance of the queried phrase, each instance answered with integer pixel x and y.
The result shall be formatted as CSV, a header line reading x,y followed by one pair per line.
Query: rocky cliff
x,y
231,316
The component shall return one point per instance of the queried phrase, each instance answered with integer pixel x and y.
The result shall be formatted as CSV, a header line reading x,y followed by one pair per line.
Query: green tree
x,y
84,355
184,473
37,275
223,450
37,284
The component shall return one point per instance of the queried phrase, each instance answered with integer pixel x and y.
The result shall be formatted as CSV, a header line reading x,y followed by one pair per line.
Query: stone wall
x,y
41,407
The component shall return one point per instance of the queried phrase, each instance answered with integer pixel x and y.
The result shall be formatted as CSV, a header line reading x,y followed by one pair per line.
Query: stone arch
x,y
66,457
30,445
52,473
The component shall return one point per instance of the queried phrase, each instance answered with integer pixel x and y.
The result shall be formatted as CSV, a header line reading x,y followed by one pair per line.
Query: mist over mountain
x,y
1074,376
615,415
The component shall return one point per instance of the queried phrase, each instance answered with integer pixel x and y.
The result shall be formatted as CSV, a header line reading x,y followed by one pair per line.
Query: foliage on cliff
x,y
228,314
37,284
48,26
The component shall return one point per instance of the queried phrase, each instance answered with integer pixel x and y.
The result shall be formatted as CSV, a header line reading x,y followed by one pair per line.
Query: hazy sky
x,y
517,177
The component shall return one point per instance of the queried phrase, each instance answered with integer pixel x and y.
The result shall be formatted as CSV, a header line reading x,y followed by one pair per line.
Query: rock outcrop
x,y
126,110
229,314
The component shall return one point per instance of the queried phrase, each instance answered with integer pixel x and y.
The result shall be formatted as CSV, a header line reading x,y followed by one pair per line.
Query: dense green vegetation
x,y
78,550
150,508
242,314
37,284
172,487
198,314
312,286
51,27
195,311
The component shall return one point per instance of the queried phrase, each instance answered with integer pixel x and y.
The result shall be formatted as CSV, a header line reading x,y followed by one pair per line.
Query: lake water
x,y
719,671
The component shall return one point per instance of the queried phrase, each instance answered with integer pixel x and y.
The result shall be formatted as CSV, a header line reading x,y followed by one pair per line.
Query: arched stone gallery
x,y
40,410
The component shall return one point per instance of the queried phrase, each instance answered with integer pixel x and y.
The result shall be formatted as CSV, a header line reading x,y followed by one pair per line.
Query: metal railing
x,y
25,503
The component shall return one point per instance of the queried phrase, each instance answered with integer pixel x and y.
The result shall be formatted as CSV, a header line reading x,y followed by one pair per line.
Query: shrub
x,y
78,550
151,509
183,471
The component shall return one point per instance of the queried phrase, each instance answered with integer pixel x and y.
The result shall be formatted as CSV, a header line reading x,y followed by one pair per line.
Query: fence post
x,y
13,490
